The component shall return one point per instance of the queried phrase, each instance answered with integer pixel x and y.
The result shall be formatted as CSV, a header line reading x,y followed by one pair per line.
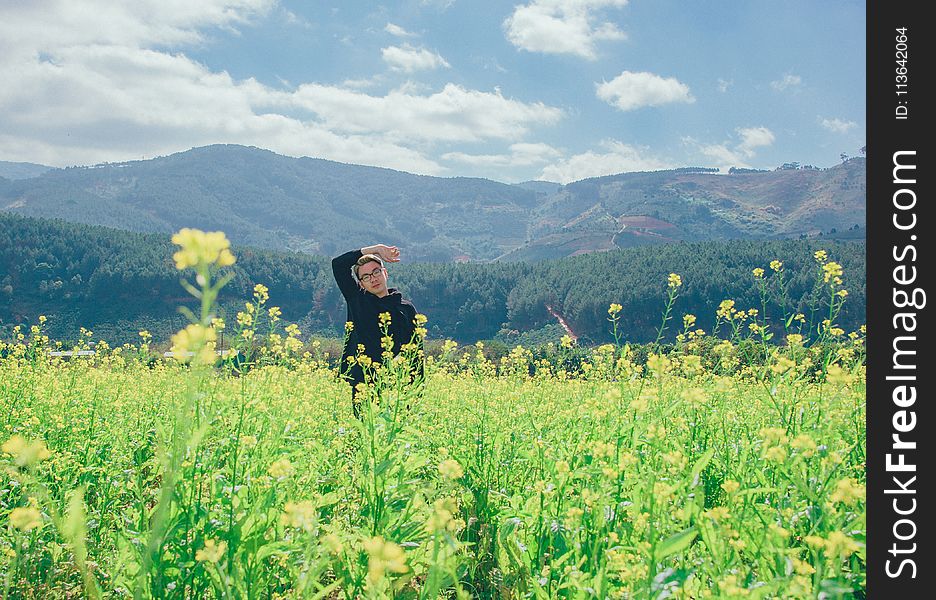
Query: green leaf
x,y
675,543
700,466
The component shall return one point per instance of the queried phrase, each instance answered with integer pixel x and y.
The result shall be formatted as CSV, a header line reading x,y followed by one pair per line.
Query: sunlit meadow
x,y
723,464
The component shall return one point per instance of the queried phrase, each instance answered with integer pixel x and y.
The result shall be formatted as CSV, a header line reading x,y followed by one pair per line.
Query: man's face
x,y
373,278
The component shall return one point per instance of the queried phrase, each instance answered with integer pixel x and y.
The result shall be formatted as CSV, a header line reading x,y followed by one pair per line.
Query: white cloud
x,y
409,58
728,155
109,90
629,91
788,81
753,138
617,158
398,31
30,26
837,125
724,84
454,114
295,20
561,26
520,155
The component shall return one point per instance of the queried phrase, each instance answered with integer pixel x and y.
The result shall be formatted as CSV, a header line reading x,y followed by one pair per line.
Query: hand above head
x,y
386,253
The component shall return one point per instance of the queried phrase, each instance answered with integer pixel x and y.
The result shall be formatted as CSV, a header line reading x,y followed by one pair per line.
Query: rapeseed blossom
x,y
281,469
383,556
848,491
211,552
25,518
195,343
451,469
200,249
25,454
301,515
832,271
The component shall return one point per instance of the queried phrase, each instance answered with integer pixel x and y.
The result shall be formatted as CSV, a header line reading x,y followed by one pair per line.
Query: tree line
x,y
117,283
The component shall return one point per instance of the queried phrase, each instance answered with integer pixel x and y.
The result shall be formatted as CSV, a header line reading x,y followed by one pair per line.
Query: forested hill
x,y
21,170
316,206
117,282
266,200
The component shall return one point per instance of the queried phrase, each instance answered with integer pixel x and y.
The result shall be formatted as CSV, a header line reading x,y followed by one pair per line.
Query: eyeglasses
x,y
368,276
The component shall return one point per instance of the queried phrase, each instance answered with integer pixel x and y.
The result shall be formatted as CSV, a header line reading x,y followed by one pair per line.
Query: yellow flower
x,y
274,312
776,454
614,309
831,270
659,363
642,403
420,319
562,467
776,265
839,543
695,397
301,515
211,552
200,249
804,444
848,491
194,343
730,486
820,256
802,567
717,513
25,518
815,542
837,374
383,556
566,341
758,272
726,309
383,319
688,321
261,293
443,516
674,281
25,454
281,469
450,469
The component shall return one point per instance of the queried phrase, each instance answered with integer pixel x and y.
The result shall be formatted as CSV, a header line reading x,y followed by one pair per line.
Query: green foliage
x,y
117,283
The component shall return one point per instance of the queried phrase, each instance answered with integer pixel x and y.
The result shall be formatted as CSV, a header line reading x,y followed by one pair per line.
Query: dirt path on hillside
x,y
562,322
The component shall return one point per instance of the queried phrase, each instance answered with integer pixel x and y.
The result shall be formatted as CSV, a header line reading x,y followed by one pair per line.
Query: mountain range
x,y
259,198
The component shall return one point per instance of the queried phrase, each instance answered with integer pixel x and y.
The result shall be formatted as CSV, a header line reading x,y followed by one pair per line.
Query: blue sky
x,y
538,89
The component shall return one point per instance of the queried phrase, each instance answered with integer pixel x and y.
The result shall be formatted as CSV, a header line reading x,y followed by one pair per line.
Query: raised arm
x,y
341,269
341,265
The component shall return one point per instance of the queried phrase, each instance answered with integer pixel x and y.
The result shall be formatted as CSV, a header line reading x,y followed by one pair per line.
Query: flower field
x,y
707,468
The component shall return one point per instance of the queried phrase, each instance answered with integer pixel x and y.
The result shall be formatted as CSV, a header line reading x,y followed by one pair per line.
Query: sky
x,y
553,90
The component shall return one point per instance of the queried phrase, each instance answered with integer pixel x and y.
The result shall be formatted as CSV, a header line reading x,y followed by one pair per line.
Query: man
x,y
362,279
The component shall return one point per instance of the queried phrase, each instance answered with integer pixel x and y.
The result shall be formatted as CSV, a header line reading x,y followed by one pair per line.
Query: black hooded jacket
x,y
364,310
